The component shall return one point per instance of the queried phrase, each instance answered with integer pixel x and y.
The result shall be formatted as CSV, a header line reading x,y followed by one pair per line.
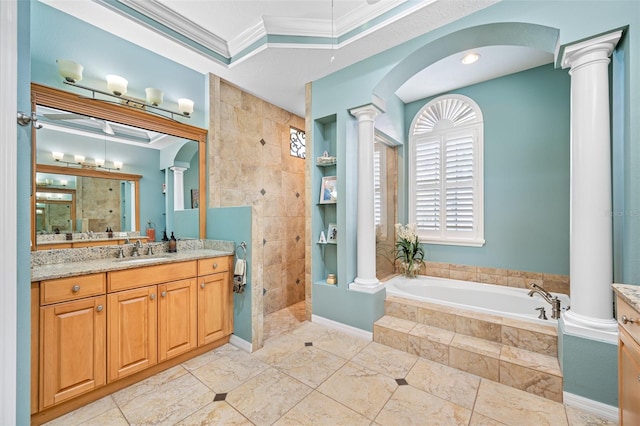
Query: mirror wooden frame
x,y
105,110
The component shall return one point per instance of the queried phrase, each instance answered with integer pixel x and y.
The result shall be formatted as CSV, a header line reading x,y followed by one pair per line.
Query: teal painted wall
x,y
102,53
590,368
23,231
526,173
234,224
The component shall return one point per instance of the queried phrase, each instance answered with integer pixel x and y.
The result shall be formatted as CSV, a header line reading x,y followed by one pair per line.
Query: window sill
x,y
468,243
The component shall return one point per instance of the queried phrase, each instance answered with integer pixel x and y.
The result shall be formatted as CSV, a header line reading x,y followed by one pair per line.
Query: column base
x,y
605,330
366,285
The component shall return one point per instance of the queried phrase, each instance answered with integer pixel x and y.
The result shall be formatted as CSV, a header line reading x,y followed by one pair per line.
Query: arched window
x,y
446,172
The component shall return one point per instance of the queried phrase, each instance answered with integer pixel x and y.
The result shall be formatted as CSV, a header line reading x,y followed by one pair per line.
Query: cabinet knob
x,y
202,285
153,296
75,288
99,308
215,266
626,320
164,294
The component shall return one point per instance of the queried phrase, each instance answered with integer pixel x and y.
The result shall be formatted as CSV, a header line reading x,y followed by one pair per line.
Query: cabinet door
x,y
131,331
72,349
629,380
214,313
177,318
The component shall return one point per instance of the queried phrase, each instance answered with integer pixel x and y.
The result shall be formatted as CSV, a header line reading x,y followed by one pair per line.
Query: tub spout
x,y
553,301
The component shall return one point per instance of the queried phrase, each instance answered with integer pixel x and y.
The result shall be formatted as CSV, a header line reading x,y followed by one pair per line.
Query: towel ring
x,y
242,246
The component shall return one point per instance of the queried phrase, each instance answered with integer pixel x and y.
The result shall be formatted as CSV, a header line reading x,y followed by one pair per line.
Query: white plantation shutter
x,y
446,172
379,189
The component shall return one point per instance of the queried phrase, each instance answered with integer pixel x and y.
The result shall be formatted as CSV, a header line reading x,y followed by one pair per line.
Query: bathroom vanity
x,y
101,325
628,314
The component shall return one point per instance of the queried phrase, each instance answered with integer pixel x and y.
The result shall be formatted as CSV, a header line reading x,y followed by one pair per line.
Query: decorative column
x,y
591,253
366,229
178,187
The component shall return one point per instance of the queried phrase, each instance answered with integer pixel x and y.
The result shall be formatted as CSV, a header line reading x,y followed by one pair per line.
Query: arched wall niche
x,y
498,34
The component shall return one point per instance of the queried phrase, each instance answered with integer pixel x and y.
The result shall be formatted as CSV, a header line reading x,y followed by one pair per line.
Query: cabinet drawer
x,y
213,265
633,328
149,275
63,289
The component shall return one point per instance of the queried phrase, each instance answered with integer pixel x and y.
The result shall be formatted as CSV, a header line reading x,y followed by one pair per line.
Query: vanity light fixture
x,y
117,85
117,165
99,162
58,156
71,71
63,182
185,106
470,58
154,96
79,158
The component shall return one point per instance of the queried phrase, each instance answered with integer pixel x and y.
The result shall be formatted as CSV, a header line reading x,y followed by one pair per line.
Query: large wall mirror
x,y
99,165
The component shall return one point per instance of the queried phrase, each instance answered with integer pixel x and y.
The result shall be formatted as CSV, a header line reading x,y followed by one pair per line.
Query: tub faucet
x,y
553,301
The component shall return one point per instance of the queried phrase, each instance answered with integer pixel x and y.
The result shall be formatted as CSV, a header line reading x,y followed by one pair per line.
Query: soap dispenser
x,y
164,235
173,244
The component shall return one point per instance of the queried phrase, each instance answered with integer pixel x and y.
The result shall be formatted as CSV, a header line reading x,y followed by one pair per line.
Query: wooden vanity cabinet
x,y
177,318
628,364
71,350
215,320
131,331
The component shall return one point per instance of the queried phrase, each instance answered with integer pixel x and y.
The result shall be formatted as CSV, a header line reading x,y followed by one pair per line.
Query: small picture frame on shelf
x,y
332,234
328,190
323,238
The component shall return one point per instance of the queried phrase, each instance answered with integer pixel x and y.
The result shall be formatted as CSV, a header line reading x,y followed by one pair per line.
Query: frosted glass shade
x,y
71,71
185,106
79,158
117,165
154,96
117,85
57,156
99,162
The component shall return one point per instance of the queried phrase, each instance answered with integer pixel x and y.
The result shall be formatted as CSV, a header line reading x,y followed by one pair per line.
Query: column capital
x,y
596,48
176,169
365,112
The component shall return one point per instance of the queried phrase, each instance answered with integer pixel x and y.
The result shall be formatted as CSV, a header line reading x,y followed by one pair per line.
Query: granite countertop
x,y
70,269
629,293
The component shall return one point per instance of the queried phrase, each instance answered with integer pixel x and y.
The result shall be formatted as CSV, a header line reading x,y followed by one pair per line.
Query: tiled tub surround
x,y
516,353
553,283
490,299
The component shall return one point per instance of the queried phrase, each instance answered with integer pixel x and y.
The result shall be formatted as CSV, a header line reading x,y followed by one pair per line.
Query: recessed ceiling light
x,y
470,58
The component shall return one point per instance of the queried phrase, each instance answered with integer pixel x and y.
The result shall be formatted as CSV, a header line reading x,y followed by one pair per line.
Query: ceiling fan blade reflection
x,y
106,127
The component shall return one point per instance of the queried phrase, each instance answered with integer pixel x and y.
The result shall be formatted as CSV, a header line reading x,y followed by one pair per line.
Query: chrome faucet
x,y
149,249
136,247
553,301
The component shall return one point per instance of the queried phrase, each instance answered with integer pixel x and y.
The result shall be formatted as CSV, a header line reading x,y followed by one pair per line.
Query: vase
x,y
410,270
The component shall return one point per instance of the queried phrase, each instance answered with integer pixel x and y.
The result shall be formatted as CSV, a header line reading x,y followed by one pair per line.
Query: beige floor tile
x,y
168,404
411,406
340,344
359,388
385,360
85,413
480,420
208,357
310,365
278,347
318,409
113,417
267,396
216,413
229,371
578,417
511,406
150,385
445,382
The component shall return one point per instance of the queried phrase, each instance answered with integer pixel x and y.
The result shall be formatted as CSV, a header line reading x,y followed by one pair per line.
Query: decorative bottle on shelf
x,y
164,236
109,232
173,244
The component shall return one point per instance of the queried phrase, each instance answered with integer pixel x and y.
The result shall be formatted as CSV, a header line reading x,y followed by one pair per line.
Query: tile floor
x,y
307,374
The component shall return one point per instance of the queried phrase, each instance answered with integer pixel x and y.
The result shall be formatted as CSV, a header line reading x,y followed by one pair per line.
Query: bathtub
x,y
486,298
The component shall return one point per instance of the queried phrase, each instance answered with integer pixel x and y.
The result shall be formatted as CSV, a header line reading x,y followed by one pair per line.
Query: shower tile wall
x,y
250,165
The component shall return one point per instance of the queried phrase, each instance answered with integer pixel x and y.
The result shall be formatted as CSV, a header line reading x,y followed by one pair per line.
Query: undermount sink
x,y
142,259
